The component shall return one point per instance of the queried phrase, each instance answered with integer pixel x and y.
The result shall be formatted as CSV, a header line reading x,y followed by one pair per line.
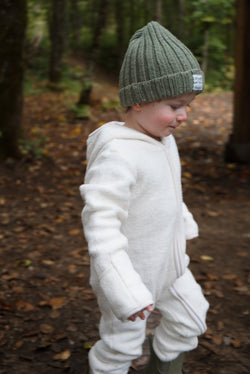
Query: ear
x,y
137,107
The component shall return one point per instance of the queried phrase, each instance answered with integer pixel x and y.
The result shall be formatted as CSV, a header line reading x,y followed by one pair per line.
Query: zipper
x,y
191,310
177,250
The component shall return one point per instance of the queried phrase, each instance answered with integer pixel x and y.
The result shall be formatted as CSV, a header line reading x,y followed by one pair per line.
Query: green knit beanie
x,y
157,65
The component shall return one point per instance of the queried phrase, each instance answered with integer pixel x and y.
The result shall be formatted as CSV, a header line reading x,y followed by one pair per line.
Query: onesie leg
x,y
183,308
121,342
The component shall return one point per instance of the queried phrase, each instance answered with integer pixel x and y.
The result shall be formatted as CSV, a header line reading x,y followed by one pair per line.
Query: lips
x,y
174,126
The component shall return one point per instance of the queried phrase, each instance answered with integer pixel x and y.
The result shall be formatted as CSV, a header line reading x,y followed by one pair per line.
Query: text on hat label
x,y
197,82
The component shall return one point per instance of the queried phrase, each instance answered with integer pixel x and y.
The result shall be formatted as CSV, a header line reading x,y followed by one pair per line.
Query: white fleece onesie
x,y
136,225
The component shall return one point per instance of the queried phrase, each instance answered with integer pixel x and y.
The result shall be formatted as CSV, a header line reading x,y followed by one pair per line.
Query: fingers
x,y
132,318
140,314
150,308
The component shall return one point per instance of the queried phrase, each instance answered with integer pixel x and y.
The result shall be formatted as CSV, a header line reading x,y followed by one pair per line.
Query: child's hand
x,y
140,314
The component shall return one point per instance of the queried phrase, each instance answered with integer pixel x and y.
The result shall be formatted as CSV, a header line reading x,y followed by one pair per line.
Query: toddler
x,y
134,218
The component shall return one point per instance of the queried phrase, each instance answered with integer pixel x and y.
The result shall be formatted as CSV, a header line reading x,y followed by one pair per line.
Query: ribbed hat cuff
x,y
163,87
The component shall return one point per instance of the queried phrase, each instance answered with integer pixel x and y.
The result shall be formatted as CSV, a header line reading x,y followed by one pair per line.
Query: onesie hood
x,y
111,131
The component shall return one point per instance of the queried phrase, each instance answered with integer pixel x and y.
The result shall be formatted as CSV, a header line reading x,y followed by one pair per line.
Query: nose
x,y
181,115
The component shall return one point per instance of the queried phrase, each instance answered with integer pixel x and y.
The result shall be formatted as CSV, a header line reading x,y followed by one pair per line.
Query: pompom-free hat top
x,y
157,65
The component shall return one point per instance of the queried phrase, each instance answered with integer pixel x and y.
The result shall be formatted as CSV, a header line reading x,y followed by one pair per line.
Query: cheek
x,y
165,118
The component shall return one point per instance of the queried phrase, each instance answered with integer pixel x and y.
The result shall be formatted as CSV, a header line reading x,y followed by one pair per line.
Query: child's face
x,y
161,118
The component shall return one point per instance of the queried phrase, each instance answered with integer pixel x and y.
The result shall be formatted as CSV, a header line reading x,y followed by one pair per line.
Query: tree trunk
x,y
158,11
13,20
91,63
75,24
132,17
238,147
120,17
57,25
205,50
182,14
147,11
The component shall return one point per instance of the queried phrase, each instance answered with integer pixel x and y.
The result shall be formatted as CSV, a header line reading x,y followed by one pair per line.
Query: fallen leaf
x,y
217,339
235,343
19,344
247,235
242,254
46,228
242,289
75,232
27,263
220,325
46,329
87,345
56,302
212,277
10,276
63,355
24,306
230,276
54,314
2,201
5,306
47,262
88,295
76,131
213,311
207,258
19,229
187,175
213,214
218,293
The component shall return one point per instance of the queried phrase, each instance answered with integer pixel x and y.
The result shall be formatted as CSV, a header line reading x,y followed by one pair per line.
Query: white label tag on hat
x,y
197,82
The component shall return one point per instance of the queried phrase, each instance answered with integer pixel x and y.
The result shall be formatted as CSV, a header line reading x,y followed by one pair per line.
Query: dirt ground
x,y
48,313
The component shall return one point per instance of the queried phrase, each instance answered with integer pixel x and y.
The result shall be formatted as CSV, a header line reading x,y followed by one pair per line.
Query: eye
x,y
175,107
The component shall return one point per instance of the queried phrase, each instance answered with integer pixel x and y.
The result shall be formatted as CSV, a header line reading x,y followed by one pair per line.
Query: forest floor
x,y
48,313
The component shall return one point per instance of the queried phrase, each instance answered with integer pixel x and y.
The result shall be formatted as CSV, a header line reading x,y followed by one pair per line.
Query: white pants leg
x,y
183,309
121,342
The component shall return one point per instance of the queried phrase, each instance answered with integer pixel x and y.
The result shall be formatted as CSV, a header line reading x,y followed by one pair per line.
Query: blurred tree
x,y
120,27
158,11
95,46
13,20
211,38
57,28
182,13
75,23
238,147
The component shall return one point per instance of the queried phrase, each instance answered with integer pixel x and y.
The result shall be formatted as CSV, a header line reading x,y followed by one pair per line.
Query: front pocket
x,y
189,305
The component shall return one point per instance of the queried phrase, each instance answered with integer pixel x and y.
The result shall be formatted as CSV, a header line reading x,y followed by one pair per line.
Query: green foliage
x,y
33,149
215,16
32,86
38,62
108,55
108,104
81,111
37,22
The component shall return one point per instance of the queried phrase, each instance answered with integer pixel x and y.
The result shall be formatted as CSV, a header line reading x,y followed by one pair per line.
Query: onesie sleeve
x,y
106,192
191,227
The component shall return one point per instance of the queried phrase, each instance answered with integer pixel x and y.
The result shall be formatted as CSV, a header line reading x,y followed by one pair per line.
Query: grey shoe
x,y
156,366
